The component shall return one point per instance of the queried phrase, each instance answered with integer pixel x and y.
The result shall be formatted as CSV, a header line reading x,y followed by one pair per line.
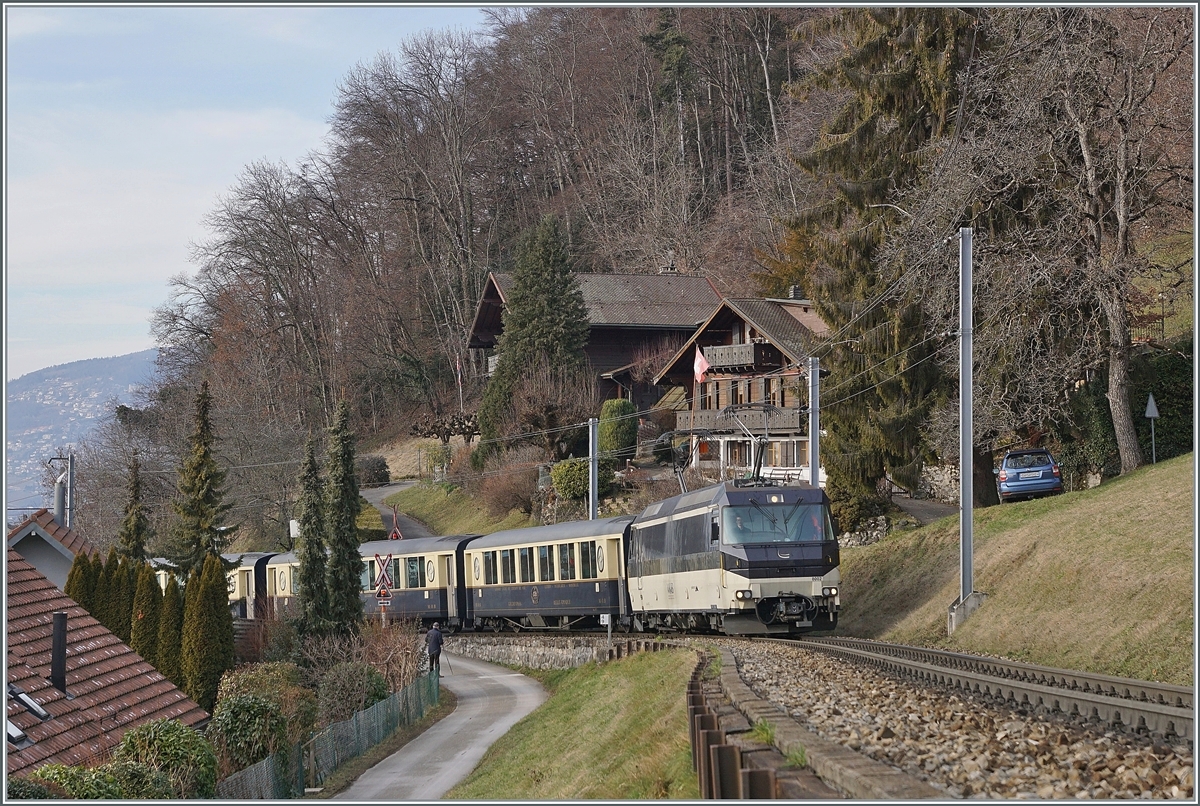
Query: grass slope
x,y
1099,580
611,731
450,511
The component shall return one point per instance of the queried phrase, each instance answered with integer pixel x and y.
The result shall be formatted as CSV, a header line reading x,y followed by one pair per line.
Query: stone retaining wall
x,y
539,651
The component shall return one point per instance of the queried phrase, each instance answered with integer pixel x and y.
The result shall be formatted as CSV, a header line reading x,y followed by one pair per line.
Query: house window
x,y
587,560
546,563
508,566
739,391
566,561
703,399
489,568
526,558
414,572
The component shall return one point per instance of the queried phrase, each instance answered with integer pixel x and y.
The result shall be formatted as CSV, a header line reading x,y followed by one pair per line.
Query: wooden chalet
x,y
633,318
757,351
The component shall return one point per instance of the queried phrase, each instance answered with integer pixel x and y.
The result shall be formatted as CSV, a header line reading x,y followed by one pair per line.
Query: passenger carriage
x,y
427,578
562,576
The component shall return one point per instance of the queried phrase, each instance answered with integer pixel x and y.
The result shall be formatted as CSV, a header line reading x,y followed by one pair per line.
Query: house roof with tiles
x,y
43,523
111,688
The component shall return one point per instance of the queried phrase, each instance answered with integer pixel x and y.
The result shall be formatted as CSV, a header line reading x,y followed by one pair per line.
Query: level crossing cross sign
x,y
383,577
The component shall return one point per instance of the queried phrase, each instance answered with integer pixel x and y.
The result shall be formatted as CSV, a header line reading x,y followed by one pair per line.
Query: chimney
x,y
60,500
58,653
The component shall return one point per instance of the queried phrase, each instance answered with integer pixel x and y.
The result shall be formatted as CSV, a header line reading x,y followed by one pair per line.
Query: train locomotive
x,y
733,557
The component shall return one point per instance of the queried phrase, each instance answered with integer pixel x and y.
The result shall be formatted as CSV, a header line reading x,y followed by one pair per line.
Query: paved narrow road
x,y
408,527
491,699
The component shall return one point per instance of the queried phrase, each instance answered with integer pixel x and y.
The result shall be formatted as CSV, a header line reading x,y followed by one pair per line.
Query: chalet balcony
x,y
785,420
735,357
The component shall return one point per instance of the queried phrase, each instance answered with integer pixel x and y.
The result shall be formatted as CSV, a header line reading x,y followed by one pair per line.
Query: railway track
x,y
1157,709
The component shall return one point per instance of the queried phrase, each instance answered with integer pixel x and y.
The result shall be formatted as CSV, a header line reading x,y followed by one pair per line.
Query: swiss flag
x,y
701,365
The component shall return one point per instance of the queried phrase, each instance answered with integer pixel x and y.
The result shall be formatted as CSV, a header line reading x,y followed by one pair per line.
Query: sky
x,y
124,125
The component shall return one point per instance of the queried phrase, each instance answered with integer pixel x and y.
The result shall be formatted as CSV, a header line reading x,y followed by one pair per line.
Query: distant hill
x,y
59,406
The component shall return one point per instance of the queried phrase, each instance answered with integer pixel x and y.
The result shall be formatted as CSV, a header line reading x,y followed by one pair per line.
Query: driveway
x,y
491,699
409,527
925,510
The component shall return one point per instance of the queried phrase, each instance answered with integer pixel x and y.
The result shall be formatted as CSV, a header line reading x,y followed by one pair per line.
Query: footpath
x,y
491,699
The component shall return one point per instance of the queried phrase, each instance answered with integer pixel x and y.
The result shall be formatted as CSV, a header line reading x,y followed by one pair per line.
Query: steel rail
x,y
1143,706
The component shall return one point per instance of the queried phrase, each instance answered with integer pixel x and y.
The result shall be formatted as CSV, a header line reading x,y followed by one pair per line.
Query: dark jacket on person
x,y
433,640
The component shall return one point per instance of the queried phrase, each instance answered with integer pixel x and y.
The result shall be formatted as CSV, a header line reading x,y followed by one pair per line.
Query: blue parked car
x,y
1028,474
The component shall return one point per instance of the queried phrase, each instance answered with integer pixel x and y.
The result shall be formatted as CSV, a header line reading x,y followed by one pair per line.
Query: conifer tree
x,y
80,585
121,592
310,546
135,528
344,570
199,504
207,642
170,623
544,317
106,584
144,622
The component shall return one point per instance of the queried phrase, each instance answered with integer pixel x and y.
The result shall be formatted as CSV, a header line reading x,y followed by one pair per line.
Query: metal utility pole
x,y
593,468
814,420
968,599
67,516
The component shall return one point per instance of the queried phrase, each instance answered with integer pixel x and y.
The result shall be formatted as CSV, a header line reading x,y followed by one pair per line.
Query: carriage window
x,y
587,560
526,556
489,568
415,568
566,561
546,563
365,577
508,566
397,580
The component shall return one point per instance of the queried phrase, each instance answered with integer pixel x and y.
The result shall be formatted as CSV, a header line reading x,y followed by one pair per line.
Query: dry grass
x,y
450,511
1098,580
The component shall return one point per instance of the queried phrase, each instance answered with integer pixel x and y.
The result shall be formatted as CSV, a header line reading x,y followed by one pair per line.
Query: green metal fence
x,y
309,764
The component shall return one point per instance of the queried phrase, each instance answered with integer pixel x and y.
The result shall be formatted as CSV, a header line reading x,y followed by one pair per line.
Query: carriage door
x,y
451,590
714,537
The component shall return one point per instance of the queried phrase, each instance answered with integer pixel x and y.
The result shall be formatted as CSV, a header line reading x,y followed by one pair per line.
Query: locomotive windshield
x,y
776,523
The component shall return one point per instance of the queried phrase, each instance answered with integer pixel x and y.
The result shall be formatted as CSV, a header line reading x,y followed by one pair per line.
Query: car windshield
x,y
1019,460
776,523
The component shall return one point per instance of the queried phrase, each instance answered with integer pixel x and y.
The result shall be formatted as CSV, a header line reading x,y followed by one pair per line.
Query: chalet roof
x,y
790,325
113,688
43,523
662,301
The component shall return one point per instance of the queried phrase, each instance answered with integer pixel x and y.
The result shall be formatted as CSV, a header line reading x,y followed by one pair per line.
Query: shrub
x,y
369,523
207,643
139,781
511,483
245,729
618,429
281,684
571,480
80,782
372,469
173,748
29,789
349,687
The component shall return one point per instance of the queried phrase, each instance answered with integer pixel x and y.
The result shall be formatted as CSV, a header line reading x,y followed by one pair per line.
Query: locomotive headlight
x,y
743,596
829,591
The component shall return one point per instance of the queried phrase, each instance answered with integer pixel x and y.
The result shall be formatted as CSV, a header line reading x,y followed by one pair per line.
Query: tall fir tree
x,y
544,317
135,527
147,610
106,584
343,573
121,593
199,504
207,642
170,625
81,585
899,77
310,546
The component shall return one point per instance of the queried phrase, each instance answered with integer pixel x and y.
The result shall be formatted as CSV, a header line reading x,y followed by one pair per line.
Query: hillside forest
x,y
838,151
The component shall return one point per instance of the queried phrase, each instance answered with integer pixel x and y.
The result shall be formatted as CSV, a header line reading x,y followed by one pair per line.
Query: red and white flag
x,y
701,365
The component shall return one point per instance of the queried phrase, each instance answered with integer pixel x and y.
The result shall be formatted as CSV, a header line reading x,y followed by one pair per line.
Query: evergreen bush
x,y
170,627
372,469
618,430
80,782
147,611
29,789
139,781
281,683
245,729
80,584
207,643
571,479
349,687
174,749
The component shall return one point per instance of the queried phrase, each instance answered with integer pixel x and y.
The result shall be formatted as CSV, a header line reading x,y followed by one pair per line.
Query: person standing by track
x,y
433,645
